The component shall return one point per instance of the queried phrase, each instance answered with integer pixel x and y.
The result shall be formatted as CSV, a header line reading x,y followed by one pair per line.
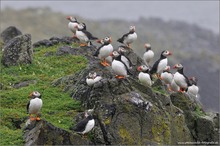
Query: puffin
x,y
83,35
129,37
104,50
179,77
72,24
166,75
193,89
148,55
92,78
144,77
87,124
34,105
126,60
173,86
118,66
161,63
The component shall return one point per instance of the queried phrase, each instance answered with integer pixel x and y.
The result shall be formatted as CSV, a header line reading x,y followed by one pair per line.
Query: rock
x,y
126,112
44,133
9,33
54,40
18,51
24,84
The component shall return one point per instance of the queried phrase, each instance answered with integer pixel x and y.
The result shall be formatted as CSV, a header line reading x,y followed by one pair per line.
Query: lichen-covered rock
x,y
18,51
126,112
44,133
9,33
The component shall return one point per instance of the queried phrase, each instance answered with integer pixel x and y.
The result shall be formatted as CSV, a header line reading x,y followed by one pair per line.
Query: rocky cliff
x,y
127,112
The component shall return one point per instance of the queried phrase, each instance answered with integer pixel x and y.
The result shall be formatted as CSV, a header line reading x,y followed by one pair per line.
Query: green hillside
x,y
58,107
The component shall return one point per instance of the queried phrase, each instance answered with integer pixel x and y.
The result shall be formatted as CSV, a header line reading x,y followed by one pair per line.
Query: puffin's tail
x,y
120,40
93,38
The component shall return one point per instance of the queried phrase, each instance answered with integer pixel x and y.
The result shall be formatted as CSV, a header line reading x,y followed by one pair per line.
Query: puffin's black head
x,y
143,68
106,40
35,94
92,75
147,46
116,55
71,19
89,112
121,49
193,80
132,28
178,66
165,53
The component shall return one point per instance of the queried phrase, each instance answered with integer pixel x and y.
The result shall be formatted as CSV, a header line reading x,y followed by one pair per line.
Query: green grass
x,y
58,107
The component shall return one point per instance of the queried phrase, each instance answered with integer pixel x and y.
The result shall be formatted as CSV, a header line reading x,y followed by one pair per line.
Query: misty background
x,y
190,29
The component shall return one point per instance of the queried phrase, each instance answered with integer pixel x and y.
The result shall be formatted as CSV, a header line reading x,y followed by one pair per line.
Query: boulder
x,y
18,51
9,33
44,133
126,112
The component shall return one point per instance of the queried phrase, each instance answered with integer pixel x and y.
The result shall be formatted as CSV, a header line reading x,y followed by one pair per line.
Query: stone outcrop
x,y
9,33
44,133
18,51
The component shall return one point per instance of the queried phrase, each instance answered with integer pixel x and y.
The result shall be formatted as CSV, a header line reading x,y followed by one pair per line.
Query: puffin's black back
x,y
123,37
80,127
154,68
89,35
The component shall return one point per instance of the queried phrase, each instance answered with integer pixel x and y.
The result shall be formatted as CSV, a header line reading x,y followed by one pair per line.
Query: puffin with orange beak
x,y
161,63
129,37
34,105
104,50
72,24
93,78
144,77
83,35
180,78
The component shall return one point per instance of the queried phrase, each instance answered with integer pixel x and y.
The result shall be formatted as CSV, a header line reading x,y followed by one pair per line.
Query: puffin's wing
x,y
89,35
28,106
80,127
187,80
130,63
154,68
123,37
97,51
126,68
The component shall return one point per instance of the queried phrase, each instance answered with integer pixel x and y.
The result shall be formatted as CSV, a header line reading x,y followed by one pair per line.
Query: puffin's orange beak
x,y
174,67
68,17
110,39
139,68
30,94
99,41
76,26
111,54
170,53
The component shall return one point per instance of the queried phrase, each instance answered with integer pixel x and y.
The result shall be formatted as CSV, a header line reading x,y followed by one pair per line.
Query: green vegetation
x,y
58,107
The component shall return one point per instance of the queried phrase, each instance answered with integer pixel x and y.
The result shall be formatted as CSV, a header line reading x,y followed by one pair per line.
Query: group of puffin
x,y
121,66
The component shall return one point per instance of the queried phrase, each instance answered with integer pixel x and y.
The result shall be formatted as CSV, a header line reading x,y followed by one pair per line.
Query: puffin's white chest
x,y
145,79
180,80
81,36
162,65
119,68
174,87
35,105
90,82
130,38
126,61
72,26
148,56
105,51
167,77
193,90
89,126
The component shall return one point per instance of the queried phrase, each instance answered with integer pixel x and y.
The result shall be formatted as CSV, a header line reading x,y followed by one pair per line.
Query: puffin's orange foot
x,y
74,36
120,77
82,45
32,118
37,118
104,63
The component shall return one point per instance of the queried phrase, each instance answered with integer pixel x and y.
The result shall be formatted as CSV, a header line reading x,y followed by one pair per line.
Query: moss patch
x,y
58,107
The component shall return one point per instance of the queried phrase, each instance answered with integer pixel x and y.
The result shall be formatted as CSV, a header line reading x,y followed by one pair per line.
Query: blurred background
x,y
190,29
